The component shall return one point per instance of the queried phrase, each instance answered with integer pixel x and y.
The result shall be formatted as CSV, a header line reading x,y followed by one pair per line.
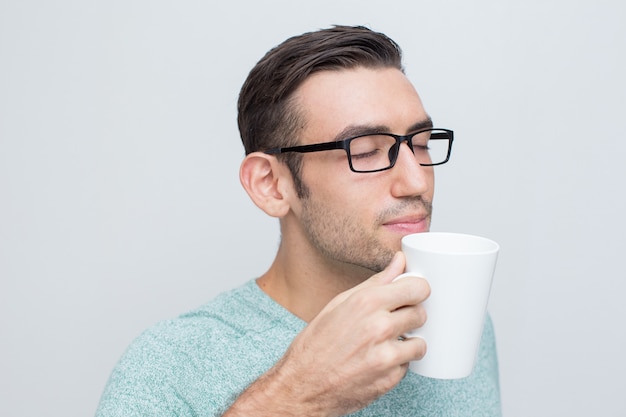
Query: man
x,y
341,150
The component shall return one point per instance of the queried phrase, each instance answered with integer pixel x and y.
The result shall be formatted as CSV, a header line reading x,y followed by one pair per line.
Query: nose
x,y
409,177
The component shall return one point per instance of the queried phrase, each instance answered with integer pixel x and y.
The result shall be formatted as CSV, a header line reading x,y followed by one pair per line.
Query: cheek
x,y
431,188
338,201
429,184
357,198
328,177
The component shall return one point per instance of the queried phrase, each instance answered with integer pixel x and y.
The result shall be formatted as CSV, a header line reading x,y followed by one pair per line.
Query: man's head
x,y
327,87
268,117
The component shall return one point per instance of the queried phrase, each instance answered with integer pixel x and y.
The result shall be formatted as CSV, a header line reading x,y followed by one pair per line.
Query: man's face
x,y
360,218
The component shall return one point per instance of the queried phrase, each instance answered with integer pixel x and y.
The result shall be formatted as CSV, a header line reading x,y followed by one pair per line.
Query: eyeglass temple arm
x,y
327,146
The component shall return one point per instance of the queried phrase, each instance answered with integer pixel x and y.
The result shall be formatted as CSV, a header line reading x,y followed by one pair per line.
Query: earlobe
x,y
263,178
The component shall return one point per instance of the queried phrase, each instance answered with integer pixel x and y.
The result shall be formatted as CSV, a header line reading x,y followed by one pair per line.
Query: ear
x,y
267,182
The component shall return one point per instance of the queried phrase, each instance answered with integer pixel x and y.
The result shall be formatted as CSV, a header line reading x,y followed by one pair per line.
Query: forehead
x,y
332,101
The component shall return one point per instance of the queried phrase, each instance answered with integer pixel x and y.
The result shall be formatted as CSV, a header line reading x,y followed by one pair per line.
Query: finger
x,y
416,290
411,349
387,275
408,318
395,268
409,291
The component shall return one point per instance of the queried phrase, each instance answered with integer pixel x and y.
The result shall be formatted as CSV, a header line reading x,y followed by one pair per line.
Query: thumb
x,y
387,275
395,268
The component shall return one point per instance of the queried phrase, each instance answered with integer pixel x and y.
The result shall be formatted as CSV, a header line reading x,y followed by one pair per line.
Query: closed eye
x,y
364,155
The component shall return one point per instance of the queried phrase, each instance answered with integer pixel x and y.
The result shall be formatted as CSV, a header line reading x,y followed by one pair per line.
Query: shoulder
x,y
229,316
198,360
237,319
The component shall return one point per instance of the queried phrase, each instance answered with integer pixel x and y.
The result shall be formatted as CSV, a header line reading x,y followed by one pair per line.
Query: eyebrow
x,y
358,130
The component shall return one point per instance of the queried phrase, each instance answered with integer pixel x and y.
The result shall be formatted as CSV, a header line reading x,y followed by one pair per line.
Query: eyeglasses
x,y
379,151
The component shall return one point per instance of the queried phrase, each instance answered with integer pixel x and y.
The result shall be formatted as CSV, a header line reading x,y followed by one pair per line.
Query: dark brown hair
x,y
267,117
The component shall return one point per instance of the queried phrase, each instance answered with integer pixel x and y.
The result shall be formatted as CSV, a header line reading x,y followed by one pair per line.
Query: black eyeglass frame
x,y
437,134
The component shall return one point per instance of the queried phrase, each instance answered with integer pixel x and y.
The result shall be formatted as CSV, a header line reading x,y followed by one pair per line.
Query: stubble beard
x,y
339,237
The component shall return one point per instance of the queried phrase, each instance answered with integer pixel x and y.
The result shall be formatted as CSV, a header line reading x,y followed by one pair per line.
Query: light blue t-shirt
x,y
197,365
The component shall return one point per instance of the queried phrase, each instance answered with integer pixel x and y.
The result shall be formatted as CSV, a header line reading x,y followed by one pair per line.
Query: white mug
x,y
459,269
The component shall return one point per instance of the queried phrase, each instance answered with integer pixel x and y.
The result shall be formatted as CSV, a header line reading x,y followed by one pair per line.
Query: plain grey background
x,y
120,203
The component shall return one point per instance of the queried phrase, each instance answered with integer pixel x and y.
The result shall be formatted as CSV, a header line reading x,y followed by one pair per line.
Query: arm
x,y
348,356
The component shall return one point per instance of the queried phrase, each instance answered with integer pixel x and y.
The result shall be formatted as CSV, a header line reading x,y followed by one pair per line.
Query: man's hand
x,y
351,353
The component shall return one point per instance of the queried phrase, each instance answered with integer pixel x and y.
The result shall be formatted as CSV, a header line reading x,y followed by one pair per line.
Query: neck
x,y
303,281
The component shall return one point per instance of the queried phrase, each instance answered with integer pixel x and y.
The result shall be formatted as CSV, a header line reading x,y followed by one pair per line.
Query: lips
x,y
408,224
